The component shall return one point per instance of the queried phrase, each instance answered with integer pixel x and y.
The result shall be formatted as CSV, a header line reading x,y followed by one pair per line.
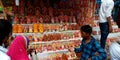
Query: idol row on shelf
x,y
40,28
45,7
44,19
48,37
55,46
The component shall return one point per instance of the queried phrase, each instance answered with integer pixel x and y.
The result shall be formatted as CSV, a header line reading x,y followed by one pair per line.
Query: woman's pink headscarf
x,y
18,49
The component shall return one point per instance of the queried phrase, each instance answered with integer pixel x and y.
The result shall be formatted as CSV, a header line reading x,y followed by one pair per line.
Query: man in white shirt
x,y
105,20
5,36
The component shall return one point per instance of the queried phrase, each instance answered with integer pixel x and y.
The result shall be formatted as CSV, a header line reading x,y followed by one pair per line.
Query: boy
x,y
89,46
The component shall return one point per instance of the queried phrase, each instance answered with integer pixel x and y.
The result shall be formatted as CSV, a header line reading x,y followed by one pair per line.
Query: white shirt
x,y
3,55
105,10
114,51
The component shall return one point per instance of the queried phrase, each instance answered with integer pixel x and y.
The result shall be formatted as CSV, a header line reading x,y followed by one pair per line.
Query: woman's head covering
x,y
18,49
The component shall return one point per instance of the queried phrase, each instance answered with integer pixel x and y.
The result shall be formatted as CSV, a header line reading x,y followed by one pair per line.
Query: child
x,y
89,46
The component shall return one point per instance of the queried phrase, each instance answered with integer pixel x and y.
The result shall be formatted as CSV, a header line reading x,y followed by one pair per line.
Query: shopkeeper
x,y
105,20
5,36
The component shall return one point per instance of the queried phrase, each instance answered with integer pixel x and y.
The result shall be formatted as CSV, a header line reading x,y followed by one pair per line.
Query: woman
x,y
18,49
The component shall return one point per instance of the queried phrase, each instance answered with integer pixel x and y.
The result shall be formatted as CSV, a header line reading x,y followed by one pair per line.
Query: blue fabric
x,y
88,50
104,28
117,3
98,1
115,13
116,9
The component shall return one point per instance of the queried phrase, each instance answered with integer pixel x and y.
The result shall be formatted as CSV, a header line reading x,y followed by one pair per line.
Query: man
x,y
105,20
5,36
114,48
89,46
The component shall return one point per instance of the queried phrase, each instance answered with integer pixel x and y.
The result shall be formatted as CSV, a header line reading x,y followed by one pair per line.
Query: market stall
x,y
53,26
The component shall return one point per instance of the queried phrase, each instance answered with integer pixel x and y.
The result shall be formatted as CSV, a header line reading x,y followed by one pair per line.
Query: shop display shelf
x,y
56,41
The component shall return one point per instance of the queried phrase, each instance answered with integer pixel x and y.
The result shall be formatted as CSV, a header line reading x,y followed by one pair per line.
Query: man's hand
x,y
89,58
96,54
109,23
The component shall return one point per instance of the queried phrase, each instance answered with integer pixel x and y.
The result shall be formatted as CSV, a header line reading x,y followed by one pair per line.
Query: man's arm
x,y
108,12
110,25
102,54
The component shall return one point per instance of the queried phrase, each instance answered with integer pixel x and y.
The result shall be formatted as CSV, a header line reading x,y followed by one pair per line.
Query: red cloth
x,y
18,49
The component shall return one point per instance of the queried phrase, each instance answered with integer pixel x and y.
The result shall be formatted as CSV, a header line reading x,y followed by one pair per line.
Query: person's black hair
x,y
1,11
5,30
86,29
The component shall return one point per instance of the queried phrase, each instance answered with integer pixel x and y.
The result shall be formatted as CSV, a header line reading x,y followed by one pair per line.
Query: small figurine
x,y
31,29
